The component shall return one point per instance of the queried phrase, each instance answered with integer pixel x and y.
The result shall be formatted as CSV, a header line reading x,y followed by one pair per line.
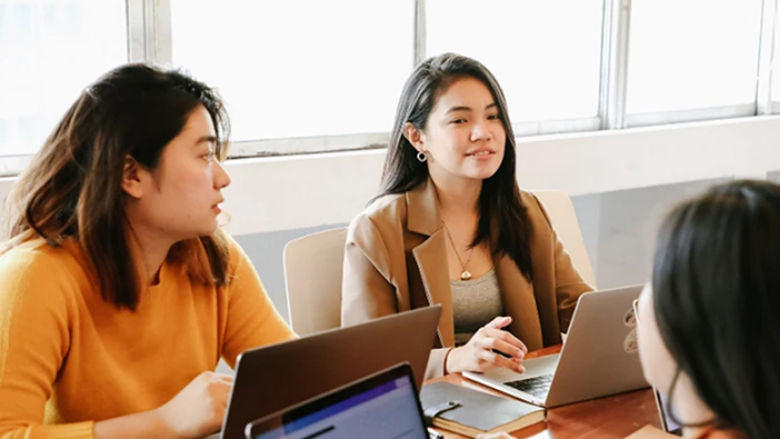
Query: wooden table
x,y
613,416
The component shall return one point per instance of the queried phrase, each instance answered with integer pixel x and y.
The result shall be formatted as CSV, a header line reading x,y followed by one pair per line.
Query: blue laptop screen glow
x,y
388,410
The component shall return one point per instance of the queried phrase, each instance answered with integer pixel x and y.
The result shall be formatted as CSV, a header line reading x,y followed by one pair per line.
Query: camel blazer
x,y
395,260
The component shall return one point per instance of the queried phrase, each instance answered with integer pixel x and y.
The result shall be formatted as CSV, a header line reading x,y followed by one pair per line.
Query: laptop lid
x,y
383,406
600,356
271,378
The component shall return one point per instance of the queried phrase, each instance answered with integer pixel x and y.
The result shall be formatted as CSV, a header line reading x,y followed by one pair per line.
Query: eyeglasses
x,y
635,305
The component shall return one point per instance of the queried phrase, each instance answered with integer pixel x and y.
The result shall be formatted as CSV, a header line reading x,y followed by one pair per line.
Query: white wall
x,y
292,192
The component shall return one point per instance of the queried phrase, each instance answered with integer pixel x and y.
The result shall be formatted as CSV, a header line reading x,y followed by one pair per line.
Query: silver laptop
x,y
381,406
599,356
271,378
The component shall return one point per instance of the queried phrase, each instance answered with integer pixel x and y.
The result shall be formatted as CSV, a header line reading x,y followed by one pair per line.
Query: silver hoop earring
x,y
421,157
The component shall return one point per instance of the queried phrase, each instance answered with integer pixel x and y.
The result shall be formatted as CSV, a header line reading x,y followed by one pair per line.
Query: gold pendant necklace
x,y
465,274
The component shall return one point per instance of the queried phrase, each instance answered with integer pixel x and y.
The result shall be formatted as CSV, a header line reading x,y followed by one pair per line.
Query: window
x,y
298,68
545,54
696,54
49,51
312,75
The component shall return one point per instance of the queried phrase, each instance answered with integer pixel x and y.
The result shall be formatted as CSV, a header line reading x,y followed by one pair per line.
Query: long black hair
x,y
503,219
72,187
716,284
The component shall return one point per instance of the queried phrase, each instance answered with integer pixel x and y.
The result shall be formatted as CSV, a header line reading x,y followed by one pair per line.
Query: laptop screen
x,y
667,422
381,406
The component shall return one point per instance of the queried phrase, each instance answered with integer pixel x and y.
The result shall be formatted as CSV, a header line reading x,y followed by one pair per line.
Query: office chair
x,y
563,218
312,276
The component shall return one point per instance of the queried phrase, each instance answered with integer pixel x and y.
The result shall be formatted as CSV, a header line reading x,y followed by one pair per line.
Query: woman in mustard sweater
x,y
118,292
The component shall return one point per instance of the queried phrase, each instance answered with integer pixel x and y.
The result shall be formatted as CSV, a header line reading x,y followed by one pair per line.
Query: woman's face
x,y
464,137
657,362
180,198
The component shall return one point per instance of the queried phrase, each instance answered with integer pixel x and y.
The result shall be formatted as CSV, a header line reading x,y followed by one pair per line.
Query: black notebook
x,y
475,412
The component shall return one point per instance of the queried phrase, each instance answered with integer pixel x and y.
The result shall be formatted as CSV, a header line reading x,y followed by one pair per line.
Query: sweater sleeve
x,y
35,298
252,319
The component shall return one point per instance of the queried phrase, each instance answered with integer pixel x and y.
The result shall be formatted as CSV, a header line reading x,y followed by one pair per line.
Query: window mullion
x,y
149,31
614,63
162,33
419,32
606,62
766,57
136,30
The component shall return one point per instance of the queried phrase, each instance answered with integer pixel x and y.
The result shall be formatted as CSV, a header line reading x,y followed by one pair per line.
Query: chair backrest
x,y
564,220
312,276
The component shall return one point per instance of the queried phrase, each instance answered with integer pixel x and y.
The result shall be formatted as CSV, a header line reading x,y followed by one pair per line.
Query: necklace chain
x,y
465,274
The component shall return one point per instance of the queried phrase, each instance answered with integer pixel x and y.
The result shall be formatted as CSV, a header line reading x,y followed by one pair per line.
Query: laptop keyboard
x,y
536,386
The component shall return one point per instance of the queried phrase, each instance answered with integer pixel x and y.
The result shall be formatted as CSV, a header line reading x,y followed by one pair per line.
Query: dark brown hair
x,y
72,187
715,291
503,219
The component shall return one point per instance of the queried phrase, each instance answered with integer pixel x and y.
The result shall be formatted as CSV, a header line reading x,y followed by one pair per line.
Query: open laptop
x,y
271,378
381,406
599,356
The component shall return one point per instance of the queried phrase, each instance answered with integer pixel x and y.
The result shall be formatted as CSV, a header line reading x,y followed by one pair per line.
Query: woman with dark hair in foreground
x,y
118,292
709,333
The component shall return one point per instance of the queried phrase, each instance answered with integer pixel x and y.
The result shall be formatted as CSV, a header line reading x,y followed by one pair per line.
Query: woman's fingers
x,y
504,336
499,322
490,347
490,359
503,347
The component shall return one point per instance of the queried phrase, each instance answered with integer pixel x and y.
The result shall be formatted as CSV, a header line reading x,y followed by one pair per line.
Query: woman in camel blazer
x,y
449,195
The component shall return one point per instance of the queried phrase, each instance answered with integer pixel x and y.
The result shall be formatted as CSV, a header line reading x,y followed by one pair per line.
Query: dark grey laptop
x,y
271,378
381,406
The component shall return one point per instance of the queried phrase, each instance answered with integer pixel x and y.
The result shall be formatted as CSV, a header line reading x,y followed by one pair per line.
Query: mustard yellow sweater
x,y
68,358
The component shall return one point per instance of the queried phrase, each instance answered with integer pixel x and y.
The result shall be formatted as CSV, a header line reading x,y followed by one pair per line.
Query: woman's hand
x,y
481,351
197,410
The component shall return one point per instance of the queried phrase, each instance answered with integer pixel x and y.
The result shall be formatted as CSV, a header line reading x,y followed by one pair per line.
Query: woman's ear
x,y
131,178
414,136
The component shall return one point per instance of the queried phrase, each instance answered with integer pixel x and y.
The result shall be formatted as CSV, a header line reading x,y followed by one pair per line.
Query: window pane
x,y
49,51
692,54
544,53
298,68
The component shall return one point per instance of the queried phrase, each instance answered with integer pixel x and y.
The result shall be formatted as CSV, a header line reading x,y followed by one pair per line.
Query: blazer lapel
x,y
519,302
423,218
436,282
